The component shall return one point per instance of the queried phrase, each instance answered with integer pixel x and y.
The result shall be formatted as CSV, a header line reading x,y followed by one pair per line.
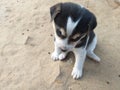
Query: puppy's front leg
x,y
80,55
57,51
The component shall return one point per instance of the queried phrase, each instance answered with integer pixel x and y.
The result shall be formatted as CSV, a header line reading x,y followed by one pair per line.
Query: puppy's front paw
x,y
76,73
55,56
62,56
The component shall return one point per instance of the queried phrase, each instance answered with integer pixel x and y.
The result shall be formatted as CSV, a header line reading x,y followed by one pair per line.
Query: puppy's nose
x,y
64,49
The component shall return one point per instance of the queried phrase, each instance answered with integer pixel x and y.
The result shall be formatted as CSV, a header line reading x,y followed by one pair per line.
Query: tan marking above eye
x,y
76,35
62,31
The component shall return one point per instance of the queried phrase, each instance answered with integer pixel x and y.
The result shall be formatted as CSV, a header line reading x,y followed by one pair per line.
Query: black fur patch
x,y
68,9
83,41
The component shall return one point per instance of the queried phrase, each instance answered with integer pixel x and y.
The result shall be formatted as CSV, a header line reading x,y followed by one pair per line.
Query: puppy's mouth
x,y
63,50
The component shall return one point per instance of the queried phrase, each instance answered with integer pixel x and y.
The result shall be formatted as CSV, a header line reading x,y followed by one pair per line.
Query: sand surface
x,y
26,44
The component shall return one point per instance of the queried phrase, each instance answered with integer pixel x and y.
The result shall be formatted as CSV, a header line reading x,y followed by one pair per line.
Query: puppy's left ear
x,y
93,23
54,10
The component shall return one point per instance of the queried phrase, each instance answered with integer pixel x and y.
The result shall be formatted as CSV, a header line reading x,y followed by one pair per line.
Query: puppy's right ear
x,y
54,10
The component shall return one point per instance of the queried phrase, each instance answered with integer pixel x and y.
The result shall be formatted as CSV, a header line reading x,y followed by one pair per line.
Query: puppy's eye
x,y
61,33
75,37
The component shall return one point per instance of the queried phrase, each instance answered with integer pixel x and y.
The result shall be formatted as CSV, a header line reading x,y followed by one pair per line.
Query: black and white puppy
x,y
73,28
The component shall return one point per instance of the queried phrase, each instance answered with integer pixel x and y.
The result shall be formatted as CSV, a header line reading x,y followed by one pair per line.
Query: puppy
x,y
73,28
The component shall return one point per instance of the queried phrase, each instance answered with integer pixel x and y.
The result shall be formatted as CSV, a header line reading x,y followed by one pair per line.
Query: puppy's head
x,y
71,22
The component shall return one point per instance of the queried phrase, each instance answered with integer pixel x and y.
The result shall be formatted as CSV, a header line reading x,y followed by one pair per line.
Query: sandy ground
x,y
26,44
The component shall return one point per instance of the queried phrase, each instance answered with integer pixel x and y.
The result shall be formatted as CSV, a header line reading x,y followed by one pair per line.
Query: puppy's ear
x,y
93,23
54,10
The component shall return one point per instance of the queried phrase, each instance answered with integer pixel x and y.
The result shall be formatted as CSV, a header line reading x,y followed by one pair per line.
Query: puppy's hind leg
x,y
90,50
